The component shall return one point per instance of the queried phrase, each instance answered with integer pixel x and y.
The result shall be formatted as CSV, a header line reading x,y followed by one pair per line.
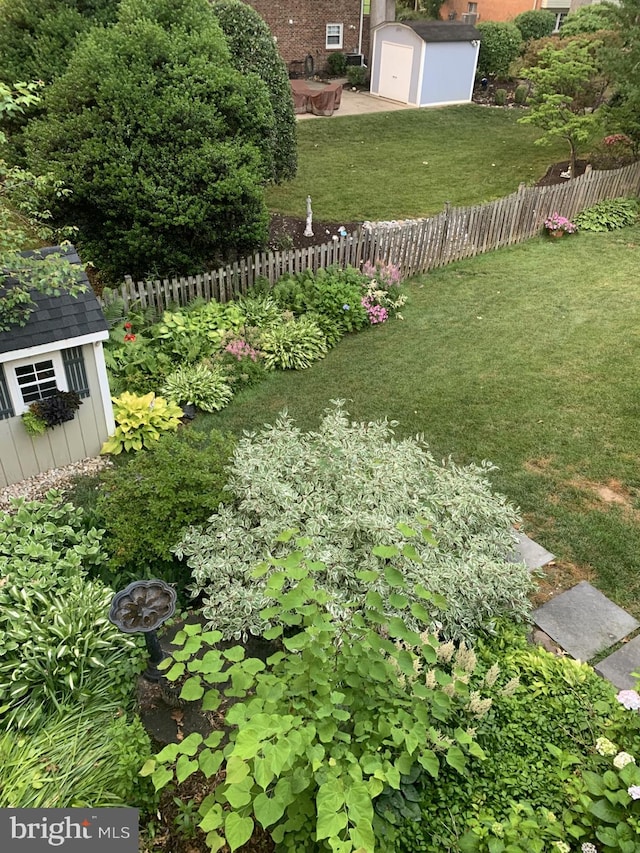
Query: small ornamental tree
x,y
500,44
535,24
161,141
253,51
568,88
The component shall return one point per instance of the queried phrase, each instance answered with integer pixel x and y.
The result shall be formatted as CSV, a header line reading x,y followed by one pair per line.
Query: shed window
x,y
6,409
37,380
334,36
75,371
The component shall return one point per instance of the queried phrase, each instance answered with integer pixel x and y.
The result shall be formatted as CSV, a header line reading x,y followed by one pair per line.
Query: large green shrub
x,y
590,19
162,142
348,486
500,44
253,51
344,715
37,37
539,737
535,24
147,502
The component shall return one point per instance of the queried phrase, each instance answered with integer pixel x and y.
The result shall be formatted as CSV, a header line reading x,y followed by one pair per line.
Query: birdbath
x,y
145,606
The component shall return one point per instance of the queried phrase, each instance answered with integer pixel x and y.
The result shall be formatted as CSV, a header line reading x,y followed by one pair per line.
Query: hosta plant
x,y
190,334
346,710
294,345
204,386
609,214
140,421
353,487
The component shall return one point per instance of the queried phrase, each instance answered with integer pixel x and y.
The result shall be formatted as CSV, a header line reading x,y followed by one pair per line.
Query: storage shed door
x,y
395,71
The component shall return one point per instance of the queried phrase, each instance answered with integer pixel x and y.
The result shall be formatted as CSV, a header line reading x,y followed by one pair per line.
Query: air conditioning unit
x,y
355,59
470,18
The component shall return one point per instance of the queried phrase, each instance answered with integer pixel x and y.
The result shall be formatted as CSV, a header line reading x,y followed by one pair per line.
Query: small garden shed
x,y
424,63
59,349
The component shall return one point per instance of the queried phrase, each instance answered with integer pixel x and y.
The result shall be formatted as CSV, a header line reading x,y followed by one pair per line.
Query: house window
x,y
6,409
472,8
366,7
560,16
334,36
75,371
37,380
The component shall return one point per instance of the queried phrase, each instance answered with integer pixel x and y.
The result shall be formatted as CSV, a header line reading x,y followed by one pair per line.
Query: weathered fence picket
x,y
415,246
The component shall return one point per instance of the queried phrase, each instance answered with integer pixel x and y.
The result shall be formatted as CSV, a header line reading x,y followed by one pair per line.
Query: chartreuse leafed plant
x,y
352,487
140,421
57,645
348,710
204,386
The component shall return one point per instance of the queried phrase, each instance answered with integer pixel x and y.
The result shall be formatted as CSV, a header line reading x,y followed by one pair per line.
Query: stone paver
x,y
526,550
583,621
617,668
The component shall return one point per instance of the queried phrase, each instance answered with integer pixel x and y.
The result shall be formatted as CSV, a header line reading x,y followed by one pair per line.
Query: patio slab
x,y
583,621
526,550
617,668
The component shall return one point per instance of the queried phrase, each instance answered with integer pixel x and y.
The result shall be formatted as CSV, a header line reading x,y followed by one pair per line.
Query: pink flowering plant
x,y
382,298
555,222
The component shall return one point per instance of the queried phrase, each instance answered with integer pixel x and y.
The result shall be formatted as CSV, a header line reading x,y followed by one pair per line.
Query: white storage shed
x,y
424,63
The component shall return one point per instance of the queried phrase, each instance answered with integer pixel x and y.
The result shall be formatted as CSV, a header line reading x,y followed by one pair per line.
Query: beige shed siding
x,y
22,456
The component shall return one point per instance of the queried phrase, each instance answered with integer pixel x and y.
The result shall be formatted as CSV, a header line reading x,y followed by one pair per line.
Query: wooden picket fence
x,y
415,246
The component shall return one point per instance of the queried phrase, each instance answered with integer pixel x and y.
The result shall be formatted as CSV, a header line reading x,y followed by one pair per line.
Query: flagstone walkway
x,y
584,623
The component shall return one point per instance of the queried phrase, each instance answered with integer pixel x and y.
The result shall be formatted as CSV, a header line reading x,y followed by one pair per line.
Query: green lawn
x,y
409,163
529,357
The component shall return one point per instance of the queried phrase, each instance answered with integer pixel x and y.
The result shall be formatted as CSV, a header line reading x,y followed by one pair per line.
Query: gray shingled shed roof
x,y
441,31
57,318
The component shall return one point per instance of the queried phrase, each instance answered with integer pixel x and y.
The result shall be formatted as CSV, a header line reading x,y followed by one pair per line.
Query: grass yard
x,y
529,357
409,163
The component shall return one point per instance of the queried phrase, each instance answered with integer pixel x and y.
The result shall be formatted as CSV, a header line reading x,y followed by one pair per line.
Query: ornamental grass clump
x,y
353,487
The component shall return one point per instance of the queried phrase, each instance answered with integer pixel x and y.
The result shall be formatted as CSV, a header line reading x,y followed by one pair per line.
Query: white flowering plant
x,y
607,804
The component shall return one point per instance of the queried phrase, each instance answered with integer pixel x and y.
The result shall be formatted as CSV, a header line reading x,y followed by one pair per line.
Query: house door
x,y
395,71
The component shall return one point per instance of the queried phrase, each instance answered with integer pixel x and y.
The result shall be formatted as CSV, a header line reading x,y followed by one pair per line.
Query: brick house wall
x,y
488,10
300,28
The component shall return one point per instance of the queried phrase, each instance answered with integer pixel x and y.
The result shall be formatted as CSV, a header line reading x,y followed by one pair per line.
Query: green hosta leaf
x,y
238,830
268,810
192,689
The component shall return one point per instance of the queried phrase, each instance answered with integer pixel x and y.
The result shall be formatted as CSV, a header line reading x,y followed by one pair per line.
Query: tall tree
x,y
22,219
623,66
161,141
253,51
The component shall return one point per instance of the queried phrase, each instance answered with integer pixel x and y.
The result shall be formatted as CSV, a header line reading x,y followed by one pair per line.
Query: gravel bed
x,y
35,488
